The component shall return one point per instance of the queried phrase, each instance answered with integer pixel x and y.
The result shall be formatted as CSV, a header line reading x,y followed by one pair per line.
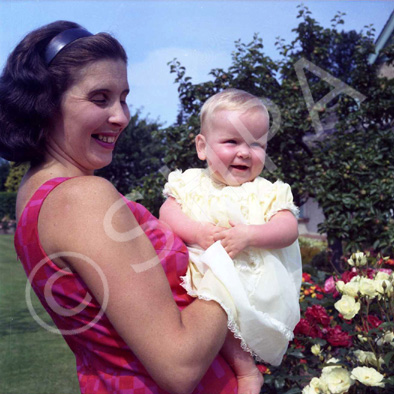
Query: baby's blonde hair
x,y
230,100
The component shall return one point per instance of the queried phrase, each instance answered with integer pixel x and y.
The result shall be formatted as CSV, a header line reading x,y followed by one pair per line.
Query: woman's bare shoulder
x,y
82,192
77,207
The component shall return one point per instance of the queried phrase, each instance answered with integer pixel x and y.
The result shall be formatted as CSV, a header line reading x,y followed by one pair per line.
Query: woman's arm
x,y
279,232
191,231
86,215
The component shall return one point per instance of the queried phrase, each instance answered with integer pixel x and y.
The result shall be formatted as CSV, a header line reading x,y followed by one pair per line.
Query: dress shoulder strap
x,y
35,202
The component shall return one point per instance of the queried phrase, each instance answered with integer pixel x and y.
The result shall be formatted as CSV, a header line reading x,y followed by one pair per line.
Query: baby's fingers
x,y
220,234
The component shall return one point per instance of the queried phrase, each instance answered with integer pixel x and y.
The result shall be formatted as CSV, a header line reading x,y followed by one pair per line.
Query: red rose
x,y
262,368
370,273
372,322
337,337
306,277
390,262
304,327
316,314
348,275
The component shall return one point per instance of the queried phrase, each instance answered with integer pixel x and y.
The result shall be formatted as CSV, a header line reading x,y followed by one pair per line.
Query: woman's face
x,y
93,114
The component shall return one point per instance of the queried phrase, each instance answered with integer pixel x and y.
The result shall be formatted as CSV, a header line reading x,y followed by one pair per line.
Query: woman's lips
x,y
105,140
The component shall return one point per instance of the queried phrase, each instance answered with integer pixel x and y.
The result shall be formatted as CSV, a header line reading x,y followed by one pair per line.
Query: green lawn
x,y
32,360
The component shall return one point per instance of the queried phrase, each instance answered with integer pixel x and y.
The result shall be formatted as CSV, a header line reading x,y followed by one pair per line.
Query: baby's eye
x,y
230,142
256,145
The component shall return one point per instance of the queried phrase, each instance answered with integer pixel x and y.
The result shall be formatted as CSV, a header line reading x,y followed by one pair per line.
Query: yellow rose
x,y
347,306
367,288
368,376
337,379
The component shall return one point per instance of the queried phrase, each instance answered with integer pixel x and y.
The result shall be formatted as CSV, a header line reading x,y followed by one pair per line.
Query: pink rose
x,y
386,270
329,285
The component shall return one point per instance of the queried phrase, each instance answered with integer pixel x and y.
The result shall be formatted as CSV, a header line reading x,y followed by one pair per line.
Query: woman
x,y
85,249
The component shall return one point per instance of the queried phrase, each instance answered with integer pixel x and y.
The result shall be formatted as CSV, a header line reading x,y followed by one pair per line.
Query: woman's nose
x,y
120,115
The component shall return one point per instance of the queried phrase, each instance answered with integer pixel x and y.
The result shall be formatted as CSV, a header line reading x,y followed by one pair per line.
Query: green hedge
x,y
7,205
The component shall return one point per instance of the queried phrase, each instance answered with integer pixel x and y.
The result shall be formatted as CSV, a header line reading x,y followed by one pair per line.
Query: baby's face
x,y
234,145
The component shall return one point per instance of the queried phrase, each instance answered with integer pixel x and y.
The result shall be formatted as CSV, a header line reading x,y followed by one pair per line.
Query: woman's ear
x,y
201,146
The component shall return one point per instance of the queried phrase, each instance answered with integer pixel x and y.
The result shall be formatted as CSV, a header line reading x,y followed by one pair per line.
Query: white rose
x,y
362,338
334,361
367,358
351,288
356,278
340,285
383,287
337,379
361,356
357,259
315,349
388,337
347,306
368,376
367,288
315,386
382,276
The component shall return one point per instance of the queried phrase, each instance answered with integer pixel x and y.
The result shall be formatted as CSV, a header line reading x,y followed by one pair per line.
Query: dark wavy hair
x,y
31,91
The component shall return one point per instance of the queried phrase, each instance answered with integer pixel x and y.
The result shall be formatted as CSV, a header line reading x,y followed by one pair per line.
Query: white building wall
x,y
310,216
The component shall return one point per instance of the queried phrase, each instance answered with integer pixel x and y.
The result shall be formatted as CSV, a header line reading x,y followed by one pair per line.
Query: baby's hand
x,y
234,239
206,233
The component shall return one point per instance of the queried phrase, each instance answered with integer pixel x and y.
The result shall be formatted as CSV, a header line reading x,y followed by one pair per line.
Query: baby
x,y
241,231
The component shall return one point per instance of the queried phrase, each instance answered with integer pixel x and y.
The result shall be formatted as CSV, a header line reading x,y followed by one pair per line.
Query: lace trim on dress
x,y
287,207
231,323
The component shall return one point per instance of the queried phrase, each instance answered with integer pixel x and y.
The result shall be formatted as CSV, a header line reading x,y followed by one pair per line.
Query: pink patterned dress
x,y
105,364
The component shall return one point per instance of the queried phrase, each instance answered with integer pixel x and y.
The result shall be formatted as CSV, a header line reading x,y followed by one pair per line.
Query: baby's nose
x,y
243,151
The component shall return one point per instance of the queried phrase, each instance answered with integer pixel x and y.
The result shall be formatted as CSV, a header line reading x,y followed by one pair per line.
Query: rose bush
x,y
344,342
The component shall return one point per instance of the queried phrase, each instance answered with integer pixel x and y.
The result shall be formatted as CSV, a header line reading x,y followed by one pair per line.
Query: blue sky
x,y
200,34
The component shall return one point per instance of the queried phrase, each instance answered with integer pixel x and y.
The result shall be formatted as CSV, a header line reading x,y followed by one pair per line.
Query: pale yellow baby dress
x,y
259,289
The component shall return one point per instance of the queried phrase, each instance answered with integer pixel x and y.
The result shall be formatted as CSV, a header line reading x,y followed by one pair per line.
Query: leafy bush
x,y
310,248
7,205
